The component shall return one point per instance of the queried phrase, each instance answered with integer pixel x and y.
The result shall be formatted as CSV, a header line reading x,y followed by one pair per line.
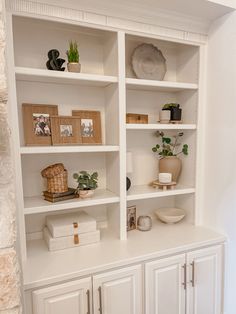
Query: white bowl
x,y
170,215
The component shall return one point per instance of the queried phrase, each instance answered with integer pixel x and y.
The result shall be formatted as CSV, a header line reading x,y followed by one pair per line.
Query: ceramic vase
x,y
171,164
74,67
86,193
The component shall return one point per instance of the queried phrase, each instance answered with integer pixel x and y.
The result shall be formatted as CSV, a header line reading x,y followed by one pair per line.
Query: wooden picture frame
x,y
65,130
37,123
131,221
91,131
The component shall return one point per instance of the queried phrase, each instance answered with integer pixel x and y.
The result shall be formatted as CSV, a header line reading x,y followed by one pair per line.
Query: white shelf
x,y
68,149
159,126
162,86
141,192
37,204
42,267
61,77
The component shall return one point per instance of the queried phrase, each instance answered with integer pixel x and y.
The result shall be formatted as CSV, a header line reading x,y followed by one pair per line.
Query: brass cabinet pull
x,y
100,299
185,276
193,274
88,300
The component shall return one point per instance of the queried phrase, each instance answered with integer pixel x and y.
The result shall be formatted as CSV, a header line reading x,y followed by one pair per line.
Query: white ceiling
x,y
154,11
206,9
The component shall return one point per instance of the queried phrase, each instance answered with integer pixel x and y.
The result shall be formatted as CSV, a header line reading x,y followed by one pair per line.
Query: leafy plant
x,y
169,146
73,53
170,105
86,181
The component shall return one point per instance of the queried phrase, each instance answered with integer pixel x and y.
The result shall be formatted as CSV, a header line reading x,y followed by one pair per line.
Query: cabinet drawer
x,y
72,298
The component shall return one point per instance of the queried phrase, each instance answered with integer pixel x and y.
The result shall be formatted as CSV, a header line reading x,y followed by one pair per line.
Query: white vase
x,y
74,67
86,193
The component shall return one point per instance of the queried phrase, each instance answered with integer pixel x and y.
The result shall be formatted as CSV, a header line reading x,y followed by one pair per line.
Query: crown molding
x,y
174,28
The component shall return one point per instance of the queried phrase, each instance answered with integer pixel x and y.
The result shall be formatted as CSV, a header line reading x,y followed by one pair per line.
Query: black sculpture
x,y
55,63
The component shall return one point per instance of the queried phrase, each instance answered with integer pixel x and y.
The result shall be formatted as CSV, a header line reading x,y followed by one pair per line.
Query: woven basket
x,y
58,183
52,170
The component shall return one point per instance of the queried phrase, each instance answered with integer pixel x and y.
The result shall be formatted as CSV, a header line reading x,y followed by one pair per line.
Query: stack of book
x,y
57,197
70,230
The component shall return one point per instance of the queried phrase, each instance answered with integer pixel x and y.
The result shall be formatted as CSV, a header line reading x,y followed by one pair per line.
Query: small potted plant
x,y
73,64
175,111
168,152
87,183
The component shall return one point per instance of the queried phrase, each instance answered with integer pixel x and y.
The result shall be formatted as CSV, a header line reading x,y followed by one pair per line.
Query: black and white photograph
x,y
131,218
66,130
87,127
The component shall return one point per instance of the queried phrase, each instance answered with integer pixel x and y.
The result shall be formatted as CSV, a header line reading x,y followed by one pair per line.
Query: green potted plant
x,y
73,64
168,151
175,111
87,183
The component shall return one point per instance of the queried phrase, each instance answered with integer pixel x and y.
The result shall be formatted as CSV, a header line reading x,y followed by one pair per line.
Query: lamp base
x,y
128,183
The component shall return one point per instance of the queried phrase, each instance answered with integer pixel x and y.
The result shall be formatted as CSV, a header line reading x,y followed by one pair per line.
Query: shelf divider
x,y
47,76
162,86
141,192
27,150
36,204
159,126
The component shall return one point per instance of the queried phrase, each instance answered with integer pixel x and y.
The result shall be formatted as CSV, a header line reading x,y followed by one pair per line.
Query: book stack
x,y
57,197
70,230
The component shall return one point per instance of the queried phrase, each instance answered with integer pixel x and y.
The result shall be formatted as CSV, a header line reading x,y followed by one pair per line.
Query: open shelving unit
x,y
106,83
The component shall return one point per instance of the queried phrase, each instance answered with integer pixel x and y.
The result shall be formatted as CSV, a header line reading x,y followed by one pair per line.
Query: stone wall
x,y
9,270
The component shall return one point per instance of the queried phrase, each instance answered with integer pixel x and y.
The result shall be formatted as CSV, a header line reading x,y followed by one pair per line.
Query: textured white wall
x,y
9,271
220,173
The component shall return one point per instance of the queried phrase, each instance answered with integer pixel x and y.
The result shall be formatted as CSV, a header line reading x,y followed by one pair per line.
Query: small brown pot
x,y
86,193
171,164
74,67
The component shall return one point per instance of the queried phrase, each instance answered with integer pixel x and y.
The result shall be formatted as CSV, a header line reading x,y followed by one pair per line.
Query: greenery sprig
x,y
86,181
73,52
169,145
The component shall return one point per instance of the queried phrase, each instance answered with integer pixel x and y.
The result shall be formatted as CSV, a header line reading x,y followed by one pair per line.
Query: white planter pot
x,y
74,67
86,193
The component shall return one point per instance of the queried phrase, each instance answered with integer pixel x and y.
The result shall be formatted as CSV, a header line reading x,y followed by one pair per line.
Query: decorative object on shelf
x,y
58,197
136,118
90,126
131,218
73,64
169,162
164,177
55,63
70,230
37,123
56,176
144,223
87,183
163,186
148,62
129,168
175,112
170,215
65,130
164,116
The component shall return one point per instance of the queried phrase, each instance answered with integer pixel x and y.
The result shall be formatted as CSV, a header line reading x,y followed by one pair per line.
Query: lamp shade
x,y
129,162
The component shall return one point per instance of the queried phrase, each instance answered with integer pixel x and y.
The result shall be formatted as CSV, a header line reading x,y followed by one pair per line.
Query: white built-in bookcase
x,y
107,84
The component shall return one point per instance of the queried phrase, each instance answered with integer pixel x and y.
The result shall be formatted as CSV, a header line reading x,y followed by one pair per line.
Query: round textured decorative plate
x,y
148,62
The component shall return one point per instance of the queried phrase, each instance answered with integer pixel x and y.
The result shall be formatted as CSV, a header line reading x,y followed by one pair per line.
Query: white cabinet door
x,y
205,281
119,291
165,290
73,298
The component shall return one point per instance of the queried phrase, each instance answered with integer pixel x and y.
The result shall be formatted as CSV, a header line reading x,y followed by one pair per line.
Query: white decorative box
x,y
61,243
63,225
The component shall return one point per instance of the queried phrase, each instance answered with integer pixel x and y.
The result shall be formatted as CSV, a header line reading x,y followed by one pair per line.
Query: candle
x,y
165,177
